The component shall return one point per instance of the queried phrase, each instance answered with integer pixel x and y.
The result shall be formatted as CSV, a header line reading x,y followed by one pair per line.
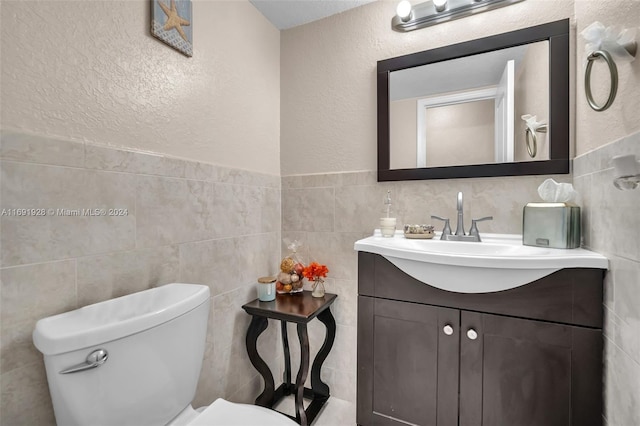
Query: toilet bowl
x,y
136,360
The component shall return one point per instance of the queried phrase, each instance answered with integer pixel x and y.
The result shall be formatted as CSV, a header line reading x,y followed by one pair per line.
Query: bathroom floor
x,y
336,412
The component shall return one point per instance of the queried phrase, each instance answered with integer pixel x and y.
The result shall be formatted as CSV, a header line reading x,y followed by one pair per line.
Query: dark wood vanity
x,y
531,355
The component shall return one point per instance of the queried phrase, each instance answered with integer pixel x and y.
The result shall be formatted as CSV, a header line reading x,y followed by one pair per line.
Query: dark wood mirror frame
x,y
557,34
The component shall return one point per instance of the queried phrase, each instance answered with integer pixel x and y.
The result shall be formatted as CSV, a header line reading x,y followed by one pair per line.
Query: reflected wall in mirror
x,y
468,110
457,111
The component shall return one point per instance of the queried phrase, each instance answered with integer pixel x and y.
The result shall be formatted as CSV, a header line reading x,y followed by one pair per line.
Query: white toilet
x,y
135,360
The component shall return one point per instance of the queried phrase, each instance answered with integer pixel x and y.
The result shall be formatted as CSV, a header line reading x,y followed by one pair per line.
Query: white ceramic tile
x,y
248,393
335,249
30,293
614,220
622,387
36,291
312,181
270,210
235,210
173,211
257,256
199,171
17,349
228,319
418,201
341,382
359,208
16,146
25,397
210,263
113,275
34,239
112,159
359,178
245,177
308,209
627,288
344,309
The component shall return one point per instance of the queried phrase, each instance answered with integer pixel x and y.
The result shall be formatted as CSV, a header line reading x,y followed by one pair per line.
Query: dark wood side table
x,y
298,308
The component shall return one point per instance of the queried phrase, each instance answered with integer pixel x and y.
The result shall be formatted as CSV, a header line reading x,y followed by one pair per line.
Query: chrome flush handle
x,y
94,359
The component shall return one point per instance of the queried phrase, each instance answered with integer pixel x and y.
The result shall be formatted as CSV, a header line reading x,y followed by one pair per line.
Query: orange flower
x,y
315,271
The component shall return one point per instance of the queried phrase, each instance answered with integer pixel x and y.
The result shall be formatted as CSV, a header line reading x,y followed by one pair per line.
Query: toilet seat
x,y
225,413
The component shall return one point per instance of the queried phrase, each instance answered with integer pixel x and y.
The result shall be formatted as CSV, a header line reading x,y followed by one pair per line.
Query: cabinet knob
x,y
448,330
472,334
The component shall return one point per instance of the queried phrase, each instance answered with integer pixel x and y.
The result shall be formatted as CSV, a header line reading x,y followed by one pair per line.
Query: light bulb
x,y
440,5
404,10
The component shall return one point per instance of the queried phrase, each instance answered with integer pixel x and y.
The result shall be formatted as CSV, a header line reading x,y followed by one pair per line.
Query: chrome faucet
x,y
460,224
473,236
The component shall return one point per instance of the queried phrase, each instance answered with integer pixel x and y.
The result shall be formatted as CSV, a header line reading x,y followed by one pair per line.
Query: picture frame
x,y
171,22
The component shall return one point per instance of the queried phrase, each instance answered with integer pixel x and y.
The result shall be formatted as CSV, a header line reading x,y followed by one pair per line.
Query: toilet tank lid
x,y
116,318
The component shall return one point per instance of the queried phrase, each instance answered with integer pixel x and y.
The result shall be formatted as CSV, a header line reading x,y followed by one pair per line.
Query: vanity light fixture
x,y
403,11
440,5
432,12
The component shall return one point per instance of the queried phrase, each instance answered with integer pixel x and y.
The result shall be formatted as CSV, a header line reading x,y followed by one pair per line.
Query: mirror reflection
x,y
471,110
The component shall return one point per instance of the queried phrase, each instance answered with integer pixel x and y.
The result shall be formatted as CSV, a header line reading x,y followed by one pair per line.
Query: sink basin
x,y
500,262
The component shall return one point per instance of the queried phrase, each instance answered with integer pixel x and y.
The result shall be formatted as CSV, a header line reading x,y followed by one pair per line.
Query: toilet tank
x,y
155,343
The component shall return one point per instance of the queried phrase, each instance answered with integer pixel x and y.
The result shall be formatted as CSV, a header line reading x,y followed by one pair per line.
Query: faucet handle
x,y
474,228
447,229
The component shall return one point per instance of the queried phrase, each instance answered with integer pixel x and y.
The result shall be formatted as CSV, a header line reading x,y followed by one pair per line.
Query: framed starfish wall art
x,y
171,23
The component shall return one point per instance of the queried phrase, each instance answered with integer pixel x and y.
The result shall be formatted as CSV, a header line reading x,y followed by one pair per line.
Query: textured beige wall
x,y
328,76
451,139
91,71
594,129
461,134
403,123
531,81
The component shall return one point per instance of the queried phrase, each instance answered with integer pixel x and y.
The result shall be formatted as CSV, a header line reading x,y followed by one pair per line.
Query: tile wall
x,y
611,226
200,223
185,222
329,212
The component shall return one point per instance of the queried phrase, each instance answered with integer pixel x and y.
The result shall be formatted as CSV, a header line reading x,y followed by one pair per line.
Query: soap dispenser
x,y
387,223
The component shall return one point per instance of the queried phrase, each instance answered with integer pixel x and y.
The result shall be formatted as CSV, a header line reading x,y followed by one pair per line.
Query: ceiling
x,y
285,14
469,72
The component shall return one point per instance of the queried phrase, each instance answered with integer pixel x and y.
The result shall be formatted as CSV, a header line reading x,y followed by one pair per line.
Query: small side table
x,y
298,308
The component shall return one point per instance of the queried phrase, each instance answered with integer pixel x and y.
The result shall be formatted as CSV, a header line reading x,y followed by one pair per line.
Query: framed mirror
x,y
497,106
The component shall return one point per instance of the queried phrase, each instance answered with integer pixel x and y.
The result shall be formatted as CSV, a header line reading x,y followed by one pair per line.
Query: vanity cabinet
x,y
531,355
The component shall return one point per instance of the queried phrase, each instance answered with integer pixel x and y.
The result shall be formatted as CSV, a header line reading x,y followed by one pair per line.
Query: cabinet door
x,y
407,364
524,372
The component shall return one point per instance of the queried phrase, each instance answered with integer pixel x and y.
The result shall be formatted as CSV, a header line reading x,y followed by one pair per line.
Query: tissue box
x,y
555,225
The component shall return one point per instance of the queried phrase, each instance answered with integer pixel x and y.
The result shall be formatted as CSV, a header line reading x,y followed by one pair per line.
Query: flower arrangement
x,y
316,272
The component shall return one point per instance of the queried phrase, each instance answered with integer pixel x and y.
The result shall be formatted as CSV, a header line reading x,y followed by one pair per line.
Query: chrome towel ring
x,y
532,143
613,70
531,139
602,42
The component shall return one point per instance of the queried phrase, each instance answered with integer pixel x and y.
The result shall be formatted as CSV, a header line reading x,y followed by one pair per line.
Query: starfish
x,y
173,19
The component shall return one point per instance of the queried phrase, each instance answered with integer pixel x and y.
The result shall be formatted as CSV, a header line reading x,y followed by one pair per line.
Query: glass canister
x,y
267,289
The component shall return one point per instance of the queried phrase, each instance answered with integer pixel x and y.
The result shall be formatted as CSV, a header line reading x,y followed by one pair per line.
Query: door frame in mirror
x,y
557,34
